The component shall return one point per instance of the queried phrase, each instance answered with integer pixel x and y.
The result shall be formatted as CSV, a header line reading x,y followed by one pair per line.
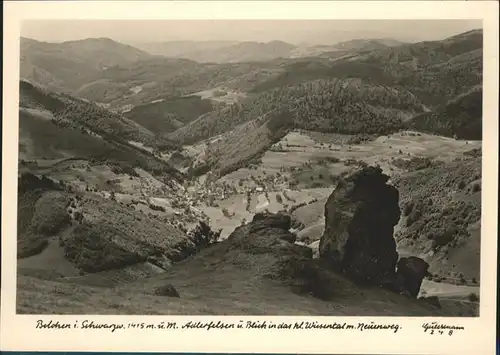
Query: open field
x,y
312,159
215,282
236,206
221,94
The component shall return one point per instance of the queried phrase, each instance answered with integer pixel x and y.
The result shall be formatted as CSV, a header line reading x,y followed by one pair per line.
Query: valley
x,y
214,178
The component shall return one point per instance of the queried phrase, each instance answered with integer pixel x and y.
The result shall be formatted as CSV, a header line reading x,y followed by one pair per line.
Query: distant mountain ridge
x,y
178,48
100,51
344,47
382,66
68,65
122,75
221,51
235,52
368,44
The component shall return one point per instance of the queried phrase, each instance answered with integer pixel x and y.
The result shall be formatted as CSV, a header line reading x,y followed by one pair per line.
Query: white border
x,y
17,331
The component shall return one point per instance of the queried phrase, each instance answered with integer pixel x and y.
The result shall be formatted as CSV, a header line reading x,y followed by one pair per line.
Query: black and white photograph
x,y
250,167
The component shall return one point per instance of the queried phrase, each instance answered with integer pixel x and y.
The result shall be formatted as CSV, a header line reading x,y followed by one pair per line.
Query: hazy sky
x,y
293,31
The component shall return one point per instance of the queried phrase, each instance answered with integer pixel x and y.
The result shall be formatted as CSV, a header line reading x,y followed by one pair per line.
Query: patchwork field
x,y
309,146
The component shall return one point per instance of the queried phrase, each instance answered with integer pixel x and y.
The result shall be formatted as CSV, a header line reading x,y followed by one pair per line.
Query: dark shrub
x,y
414,216
473,297
408,208
446,237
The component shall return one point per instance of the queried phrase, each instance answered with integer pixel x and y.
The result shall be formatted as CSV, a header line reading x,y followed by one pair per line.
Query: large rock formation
x,y
268,231
267,237
360,216
276,224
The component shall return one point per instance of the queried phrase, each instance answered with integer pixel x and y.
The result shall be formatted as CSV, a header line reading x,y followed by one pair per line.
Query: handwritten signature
x,y
441,328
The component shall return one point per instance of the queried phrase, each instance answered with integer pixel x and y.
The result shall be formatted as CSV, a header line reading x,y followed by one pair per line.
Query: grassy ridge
x,y
50,141
73,112
87,131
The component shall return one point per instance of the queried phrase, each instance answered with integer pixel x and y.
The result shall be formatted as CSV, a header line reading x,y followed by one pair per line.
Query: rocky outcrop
x,y
432,300
268,237
358,241
268,232
410,274
360,216
277,224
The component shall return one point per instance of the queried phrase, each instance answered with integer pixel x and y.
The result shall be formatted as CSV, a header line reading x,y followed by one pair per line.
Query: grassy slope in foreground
x,y
255,273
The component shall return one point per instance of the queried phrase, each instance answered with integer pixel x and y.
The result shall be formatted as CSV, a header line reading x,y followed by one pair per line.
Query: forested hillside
x,y
374,92
159,78
434,71
461,117
348,106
